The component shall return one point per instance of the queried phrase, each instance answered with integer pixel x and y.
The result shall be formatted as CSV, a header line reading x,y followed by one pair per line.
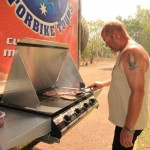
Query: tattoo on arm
x,y
132,61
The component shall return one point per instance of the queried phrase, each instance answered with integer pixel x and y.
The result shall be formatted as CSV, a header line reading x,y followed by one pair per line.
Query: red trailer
x,y
52,20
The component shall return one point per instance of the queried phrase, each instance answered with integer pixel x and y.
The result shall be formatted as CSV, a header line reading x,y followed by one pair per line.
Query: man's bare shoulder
x,y
135,56
137,50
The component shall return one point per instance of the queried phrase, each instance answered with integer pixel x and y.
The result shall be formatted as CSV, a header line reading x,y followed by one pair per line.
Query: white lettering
x,y
39,26
12,41
8,53
9,41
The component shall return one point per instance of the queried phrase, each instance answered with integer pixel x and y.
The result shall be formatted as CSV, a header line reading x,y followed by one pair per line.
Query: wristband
x,y
129,130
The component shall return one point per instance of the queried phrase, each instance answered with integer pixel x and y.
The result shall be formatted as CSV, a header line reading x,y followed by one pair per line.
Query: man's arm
x,y
133,65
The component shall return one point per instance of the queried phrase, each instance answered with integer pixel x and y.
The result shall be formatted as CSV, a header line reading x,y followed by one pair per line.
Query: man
x,y
128,93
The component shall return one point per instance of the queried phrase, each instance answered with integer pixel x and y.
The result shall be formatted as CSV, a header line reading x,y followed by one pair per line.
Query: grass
x,y
143,142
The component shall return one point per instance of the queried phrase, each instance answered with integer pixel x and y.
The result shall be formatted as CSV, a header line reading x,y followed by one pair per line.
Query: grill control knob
x,y
92,101
85,105
67,118
77,111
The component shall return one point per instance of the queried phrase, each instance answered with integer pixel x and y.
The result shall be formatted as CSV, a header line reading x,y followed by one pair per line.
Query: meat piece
x,y
62,92
66,94
68,97
50,93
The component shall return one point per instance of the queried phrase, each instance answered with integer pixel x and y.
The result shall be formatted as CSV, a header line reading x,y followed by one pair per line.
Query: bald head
x,y
114,26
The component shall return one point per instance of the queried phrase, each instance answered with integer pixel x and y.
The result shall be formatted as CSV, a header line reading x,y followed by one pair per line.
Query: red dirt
x,y
94,132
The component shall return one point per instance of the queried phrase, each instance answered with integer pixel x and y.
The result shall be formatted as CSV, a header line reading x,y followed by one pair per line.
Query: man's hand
x,y
126,138
98,85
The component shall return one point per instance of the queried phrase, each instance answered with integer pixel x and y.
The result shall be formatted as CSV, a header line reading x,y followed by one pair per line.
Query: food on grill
x,y
50,93
73,93
63,93
68,97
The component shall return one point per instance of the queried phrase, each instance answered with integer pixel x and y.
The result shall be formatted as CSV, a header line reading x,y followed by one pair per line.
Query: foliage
x,y
138,28
96,44
144,140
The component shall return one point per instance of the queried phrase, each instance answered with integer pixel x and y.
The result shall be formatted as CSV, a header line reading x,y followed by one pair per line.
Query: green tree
x,y
95,45
139,27
143,15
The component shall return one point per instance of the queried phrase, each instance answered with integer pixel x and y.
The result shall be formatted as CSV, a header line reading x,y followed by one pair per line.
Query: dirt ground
x,y
94,132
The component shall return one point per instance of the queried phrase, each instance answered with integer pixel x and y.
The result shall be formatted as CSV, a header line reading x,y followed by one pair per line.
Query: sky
x,y
108,9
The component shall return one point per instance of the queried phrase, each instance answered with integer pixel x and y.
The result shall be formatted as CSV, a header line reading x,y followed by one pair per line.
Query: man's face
x,y
110,42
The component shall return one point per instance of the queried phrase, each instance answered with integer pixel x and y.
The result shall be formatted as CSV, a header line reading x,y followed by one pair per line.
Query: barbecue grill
x,y
44,80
